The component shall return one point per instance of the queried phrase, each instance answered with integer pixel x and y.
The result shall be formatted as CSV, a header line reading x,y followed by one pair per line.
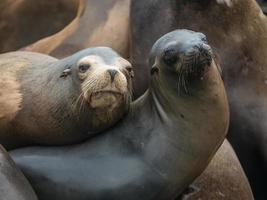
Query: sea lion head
x,y
104,80
181,58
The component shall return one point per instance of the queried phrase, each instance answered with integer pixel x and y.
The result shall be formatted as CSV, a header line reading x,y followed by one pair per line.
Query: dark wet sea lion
x,y
48,101
97,23
23,22
13,184
236,30
224,178
162,145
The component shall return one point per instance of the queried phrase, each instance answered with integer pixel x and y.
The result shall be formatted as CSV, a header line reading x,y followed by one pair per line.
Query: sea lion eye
x,y
130,71
83,67
170,56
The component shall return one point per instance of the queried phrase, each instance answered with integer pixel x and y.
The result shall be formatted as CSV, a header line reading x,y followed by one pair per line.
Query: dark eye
x,y
130,71
170,56
83,67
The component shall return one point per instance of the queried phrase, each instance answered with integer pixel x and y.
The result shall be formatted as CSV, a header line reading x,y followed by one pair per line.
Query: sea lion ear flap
x,y
154,69
65,73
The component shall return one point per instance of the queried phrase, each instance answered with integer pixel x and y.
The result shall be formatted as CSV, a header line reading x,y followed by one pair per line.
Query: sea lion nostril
x,y
112,73
206,49
203,52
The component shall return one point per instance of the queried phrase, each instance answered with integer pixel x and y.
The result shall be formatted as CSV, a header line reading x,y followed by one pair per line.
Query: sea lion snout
x,y
112,73
108,83
104,84
200,55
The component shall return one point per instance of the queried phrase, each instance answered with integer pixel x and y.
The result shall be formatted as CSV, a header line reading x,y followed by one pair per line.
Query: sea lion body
x,y
48,101
24,22
97,23
223,178
236,30
160,147
13,184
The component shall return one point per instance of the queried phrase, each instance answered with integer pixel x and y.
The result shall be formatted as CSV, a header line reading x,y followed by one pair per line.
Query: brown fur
x,y
224,178
10,95
91,27
23,22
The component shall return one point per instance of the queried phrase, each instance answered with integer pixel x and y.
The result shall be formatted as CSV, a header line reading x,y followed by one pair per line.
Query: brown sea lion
x,y
236,29
161,146
224,178
48,101
23,22
13,184
98,23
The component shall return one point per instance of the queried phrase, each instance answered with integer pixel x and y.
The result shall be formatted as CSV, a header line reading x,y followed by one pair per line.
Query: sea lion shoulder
x,y
11,66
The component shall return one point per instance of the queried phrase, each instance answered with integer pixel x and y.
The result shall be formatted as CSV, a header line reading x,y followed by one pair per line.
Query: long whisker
x,y
75,104
81,106
179,82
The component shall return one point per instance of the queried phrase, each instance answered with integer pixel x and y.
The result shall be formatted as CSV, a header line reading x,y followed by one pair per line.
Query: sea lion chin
x,y
104,99
49,101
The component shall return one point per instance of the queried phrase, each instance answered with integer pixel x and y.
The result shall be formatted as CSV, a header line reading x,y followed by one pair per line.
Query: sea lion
x,y
236,30
48,101
98,23
161,146
13,184
23,22
224,178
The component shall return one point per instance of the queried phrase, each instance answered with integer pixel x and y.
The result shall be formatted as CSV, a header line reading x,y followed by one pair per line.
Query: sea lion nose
x,y
203,49
112,73
204,53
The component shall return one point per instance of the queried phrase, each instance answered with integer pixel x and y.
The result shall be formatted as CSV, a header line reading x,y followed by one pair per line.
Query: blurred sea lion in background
x,y
13,184
236,29
98,23
23,22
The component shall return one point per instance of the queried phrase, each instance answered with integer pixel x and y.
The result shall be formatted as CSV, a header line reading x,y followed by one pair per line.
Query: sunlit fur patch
x,y
105,96
10,95
114,31
192,66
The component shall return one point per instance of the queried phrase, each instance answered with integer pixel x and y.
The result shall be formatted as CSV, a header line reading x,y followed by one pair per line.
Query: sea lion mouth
x,y
105,99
